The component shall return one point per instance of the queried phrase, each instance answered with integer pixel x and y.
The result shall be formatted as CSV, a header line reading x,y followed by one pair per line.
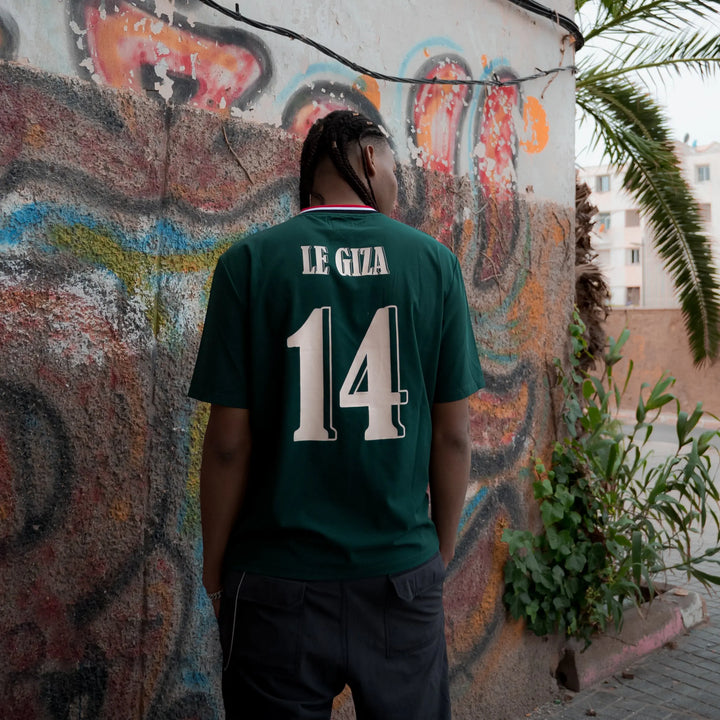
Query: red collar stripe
x,y
354,208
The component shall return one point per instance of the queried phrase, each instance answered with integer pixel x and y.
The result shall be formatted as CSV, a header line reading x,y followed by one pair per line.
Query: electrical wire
x,y
493,81
562,20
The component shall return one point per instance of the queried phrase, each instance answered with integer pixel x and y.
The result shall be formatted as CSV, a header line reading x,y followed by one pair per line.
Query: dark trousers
x,y
290,647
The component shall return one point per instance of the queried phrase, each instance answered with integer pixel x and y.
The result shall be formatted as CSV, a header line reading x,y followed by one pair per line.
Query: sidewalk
x,y
679,682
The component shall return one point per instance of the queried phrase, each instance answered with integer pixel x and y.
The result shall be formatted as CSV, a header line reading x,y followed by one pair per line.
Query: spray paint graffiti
x,y
126,46
437,113
106,279
309,104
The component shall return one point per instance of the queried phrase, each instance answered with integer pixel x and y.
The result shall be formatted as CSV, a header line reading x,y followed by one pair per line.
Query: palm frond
x,y
608,17
636,138
693,50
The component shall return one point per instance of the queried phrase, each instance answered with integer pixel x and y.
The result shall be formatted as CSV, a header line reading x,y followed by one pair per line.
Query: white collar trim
x,y
351,208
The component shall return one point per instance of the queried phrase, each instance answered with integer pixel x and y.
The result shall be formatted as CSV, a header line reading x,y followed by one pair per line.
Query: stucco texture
x,y
116,202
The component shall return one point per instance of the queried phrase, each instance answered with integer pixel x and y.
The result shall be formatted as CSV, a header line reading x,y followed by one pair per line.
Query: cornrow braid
x,y
330,136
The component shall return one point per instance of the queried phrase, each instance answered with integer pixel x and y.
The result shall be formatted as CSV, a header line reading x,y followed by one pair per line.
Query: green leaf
x,y
640,413
517,540
613,355
542,488
575,562
637,556
681,427
550,513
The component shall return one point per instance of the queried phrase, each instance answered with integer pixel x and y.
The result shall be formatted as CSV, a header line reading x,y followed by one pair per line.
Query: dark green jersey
x,y
338,330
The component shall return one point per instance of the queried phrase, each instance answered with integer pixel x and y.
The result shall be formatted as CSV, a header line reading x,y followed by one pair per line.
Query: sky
x,y
692,103
693,107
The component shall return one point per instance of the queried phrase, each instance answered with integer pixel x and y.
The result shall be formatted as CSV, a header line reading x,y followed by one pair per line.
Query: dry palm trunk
x,y
592,294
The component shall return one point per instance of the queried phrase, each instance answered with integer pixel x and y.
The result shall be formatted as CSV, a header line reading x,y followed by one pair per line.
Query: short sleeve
x,y
459,372
221,372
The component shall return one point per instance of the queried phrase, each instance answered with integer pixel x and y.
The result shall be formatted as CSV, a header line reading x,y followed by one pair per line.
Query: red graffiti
x,y
438,112
498,142
496,151
308,114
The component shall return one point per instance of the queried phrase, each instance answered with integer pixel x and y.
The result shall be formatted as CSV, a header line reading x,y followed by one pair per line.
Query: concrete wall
x,y
119,189
657,345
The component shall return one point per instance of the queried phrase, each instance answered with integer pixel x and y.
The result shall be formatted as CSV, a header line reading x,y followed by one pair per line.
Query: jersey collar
x,y
351,208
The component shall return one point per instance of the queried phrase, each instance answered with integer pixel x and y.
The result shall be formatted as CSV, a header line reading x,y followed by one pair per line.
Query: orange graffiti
x,y
537,129
124,45
474,597
120,510
495,417
368,87
36,136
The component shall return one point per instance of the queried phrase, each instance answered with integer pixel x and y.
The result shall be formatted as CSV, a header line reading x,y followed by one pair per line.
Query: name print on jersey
x,y
349,262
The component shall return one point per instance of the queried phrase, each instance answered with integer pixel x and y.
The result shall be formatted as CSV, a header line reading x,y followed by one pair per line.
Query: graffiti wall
x,y
138,140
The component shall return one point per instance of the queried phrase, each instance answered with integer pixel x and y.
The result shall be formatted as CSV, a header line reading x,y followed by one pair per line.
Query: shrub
x,y
613,519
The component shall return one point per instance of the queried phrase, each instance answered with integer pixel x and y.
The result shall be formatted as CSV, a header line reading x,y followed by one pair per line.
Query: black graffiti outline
x,y
352,99
493,461
9,36
503,498
17,403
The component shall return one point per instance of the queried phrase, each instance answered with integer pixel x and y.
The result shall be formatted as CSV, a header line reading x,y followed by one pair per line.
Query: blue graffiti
x,y
471,506
32,222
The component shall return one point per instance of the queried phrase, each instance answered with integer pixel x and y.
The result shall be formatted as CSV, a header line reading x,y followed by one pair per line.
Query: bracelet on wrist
x,y
213,596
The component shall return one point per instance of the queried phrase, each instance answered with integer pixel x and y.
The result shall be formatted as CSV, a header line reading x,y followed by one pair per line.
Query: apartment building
x,y
623,241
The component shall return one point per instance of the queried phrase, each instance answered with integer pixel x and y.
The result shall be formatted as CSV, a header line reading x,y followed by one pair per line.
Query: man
x,y
338,357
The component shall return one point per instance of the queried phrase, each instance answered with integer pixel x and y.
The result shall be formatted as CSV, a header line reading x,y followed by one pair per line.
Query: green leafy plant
x,y
613,519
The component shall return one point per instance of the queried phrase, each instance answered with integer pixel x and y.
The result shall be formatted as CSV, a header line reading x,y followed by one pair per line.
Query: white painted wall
x,y
392,37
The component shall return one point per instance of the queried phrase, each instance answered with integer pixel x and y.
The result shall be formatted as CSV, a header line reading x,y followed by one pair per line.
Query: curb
x,y
645,629
707,422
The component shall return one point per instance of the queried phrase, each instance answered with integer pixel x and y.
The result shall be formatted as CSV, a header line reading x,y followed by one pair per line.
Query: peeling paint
x,y
102,291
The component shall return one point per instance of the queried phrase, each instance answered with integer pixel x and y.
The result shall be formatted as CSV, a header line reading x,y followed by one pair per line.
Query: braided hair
x,y
330,136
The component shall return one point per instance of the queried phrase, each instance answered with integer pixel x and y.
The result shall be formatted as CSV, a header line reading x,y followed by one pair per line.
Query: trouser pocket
x,y
414,617
261,622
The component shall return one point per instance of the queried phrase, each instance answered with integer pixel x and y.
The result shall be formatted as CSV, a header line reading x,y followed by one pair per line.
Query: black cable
x,y
494,81
562,20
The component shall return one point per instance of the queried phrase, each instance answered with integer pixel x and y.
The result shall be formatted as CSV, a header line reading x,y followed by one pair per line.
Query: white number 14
x,y
373,380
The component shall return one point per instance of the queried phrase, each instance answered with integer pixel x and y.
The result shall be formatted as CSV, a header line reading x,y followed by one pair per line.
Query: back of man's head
x,y
333,137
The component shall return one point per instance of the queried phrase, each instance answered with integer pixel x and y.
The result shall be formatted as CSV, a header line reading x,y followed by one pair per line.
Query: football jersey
x,y
337,330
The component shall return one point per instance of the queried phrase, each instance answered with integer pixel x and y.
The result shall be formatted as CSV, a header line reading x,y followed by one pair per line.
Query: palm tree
x,y
630,43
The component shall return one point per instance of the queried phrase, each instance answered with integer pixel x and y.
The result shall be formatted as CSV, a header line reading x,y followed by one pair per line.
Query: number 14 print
x,y
373,380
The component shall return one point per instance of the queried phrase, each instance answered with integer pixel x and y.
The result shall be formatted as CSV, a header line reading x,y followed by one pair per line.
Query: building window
x,y
634,256
602,183
603,222
702,173
706,212
632,218
633,296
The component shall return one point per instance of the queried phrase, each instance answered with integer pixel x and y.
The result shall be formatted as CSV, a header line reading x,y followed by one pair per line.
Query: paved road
x,y
679,682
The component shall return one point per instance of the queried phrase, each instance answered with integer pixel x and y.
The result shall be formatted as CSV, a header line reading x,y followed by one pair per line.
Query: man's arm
x,y
223,480
449,470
